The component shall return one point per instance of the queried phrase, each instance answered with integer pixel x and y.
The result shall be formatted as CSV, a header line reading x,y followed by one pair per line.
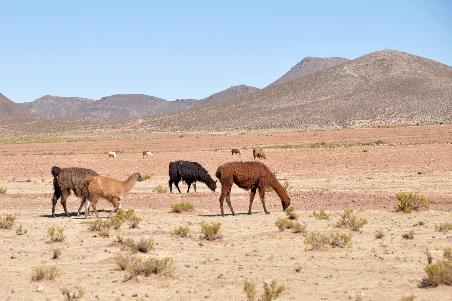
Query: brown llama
x,y
249,176
110,189
235,151
259,153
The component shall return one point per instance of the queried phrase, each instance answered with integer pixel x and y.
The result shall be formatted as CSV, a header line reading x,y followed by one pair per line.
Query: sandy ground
x,y
349,170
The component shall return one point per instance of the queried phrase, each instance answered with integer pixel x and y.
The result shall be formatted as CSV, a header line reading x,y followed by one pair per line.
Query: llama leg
x,y
177,185
222,196
87,204
64,196
56,196
228,200
116,204
170,183
81,206
252,194
194,186
262,195
189,184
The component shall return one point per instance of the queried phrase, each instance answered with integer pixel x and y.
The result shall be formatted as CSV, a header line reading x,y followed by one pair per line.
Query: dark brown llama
x,y
249,176
235,151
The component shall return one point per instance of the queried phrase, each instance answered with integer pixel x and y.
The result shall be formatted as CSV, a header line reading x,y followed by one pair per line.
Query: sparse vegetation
x,y
101,227
45,272
271,291
182,207
290,212
143,245
71,294
134,220
21,230
181,231
136,265
3,190
160,189
56,253
408,235
147,177
443,227
7,221
447,253
284,223
409,202
407,298
438,273
210,231
350,221
379,234
122,216
317,240
321,214
55,234
428,255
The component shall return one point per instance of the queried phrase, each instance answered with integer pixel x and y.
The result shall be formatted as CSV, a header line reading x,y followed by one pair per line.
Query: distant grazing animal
x,y
189,172
235,151
112,154
69,179
147,154
259,153
110,189
249,175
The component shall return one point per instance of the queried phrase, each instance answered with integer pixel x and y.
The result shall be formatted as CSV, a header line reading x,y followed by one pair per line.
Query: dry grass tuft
x,y
101,227
407,298
447,253
45,272
350,221
379,234
21,230
443,227
136,265
147,177
56,253
408,235
271,291
182,207
409,202
143,245
160,189
7,221
181,231
210,231
321,214
284,223
290,212
340,240
56,234
3,190
122,216
318,241
71,294
250,290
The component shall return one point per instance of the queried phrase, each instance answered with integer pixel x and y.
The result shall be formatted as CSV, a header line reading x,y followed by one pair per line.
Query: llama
x,y
147,154
235,151
249,175
259,153
98,187
189,172
69,179
112,154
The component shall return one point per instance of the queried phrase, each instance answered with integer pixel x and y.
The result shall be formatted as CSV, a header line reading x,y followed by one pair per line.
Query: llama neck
x,y
279,189
129,183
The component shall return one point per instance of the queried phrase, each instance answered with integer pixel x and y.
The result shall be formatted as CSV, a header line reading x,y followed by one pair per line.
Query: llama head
x,y
285,203
137,176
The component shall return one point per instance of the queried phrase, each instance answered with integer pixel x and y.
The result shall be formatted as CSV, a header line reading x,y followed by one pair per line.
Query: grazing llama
x,y
235,151
147,154
249,176
66,180
107,188
189,172
259,153
112,154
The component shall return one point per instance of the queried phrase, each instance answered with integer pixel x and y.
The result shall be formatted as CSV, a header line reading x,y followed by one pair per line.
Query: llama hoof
x,y
266,212
249,212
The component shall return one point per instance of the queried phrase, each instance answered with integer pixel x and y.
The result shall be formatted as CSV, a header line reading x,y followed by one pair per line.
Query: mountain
x,y
10,110
308,66
230,92
381,88
49,106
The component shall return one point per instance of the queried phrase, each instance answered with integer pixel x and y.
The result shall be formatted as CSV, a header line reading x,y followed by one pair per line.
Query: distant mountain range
x,y
380,88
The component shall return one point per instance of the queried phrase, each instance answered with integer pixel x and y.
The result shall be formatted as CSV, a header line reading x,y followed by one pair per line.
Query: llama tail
x,y
55,171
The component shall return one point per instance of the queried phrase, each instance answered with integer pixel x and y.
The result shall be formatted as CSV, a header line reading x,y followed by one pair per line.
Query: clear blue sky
x,y
191,49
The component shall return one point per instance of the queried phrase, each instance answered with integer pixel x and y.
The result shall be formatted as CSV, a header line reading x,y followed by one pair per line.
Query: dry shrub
x,y
21,230
71,294
408,235
160,189
7,221
210,231
101,227
56,253
181,231
56,234
3,190
134,220
136,265
284,223
407,298
318,241
122,216
443,227
147,177
350,221
321,214
182,207
379,234
409,202
438,273
144,245
447,253
45,272
271,291
290,212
